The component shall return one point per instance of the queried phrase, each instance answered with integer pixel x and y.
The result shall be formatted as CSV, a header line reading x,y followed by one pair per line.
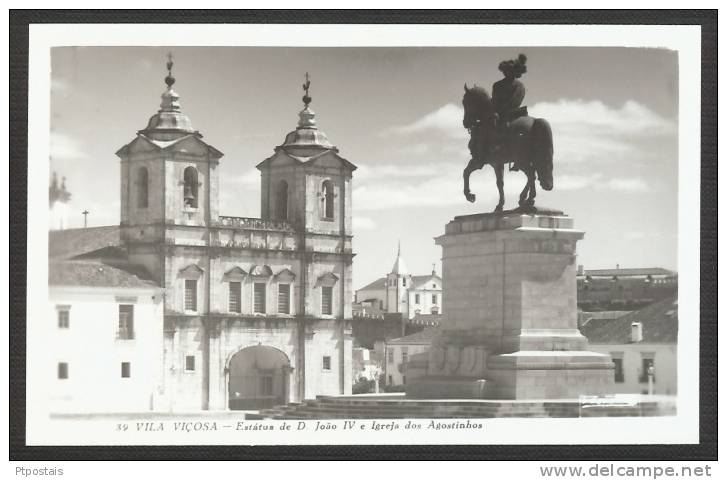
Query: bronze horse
x,y
524,141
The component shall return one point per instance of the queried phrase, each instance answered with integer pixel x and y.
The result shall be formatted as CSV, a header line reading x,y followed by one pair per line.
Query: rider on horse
x,y
508,93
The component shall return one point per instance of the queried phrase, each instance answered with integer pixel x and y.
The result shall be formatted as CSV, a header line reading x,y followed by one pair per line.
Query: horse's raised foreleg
x,y
499,174
471,167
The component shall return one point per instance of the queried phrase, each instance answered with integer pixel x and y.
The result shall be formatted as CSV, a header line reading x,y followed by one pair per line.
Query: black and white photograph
x,y
363,234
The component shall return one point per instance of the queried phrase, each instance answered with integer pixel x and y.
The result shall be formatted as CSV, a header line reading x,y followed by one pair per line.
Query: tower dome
x,y
306,140
169,123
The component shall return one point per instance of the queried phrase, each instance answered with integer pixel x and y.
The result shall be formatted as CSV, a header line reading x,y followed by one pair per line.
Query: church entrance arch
x,y
258,377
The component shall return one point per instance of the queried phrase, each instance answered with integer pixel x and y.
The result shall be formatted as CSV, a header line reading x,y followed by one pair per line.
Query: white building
x,y
636,341
401,292
105,320
399,351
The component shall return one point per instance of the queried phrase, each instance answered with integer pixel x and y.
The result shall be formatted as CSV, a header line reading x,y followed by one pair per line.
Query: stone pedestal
x,y
510,327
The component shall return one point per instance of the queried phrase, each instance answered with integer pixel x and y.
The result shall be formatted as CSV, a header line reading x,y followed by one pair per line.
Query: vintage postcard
x,y
363,234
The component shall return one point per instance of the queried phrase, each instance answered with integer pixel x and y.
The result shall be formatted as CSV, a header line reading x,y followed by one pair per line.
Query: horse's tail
x,y
543,152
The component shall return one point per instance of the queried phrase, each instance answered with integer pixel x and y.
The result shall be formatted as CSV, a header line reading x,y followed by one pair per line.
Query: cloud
x,y
446,120
594,117
627,185
363,223
64,147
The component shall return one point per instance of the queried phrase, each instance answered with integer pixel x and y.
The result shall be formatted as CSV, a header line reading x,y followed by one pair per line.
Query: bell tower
x,y
306,182
168,173
169,181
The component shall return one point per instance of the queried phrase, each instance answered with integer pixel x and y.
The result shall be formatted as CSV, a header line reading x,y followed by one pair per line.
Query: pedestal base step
x,y
446,387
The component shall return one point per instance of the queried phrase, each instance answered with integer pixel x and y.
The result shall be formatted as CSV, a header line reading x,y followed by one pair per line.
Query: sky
x,y
396,114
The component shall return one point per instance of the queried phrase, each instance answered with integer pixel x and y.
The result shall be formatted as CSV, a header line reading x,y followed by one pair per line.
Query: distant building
x,y
399,351
371,324
639,340
401,292
624,288
58,200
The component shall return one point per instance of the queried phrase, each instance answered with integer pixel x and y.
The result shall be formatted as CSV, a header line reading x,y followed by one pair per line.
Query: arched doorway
x,y
258,378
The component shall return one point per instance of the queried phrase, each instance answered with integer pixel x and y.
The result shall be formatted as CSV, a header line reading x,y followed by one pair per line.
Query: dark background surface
x,y
18,48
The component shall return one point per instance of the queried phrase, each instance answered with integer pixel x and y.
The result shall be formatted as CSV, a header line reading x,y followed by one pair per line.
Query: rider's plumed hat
x,y
514,67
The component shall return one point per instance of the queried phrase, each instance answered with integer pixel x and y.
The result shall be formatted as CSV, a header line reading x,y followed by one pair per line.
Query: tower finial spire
x,y
169,80
398,250
306,87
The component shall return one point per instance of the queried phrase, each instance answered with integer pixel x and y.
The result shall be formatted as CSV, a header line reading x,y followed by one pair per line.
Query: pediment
x,y
261,271
279,159
328,279
235,274
140,144
331,159
285,275
193,145
192,272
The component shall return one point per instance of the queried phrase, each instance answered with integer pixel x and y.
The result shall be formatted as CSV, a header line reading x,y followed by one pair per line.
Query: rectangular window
x,y
416,298
327,300
284,298
126,322
391,356
404,355
190,295
235,297
125,370
434,298
618,371
266,385
259,300
391,380
646,364
403,379
403,281
326,363
62,370
64,318
189,363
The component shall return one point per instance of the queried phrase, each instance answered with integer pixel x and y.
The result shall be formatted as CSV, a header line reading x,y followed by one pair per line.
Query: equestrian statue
x,y
503,133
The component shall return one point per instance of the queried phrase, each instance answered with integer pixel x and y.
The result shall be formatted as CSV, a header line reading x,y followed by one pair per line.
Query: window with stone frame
x,y
326,363
328,200
190,295
284,298
125,369
64,317
126,322
189,361
618,370
327,300
404,354
191,188
234,303
62,370
416,298
281,201
259,292
434,298
390,355
142,188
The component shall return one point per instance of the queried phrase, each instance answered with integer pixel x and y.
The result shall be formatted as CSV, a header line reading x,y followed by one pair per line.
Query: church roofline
x,y
306,161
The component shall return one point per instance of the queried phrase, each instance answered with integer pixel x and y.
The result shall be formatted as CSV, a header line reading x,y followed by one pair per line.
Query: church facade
x,y
256,311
